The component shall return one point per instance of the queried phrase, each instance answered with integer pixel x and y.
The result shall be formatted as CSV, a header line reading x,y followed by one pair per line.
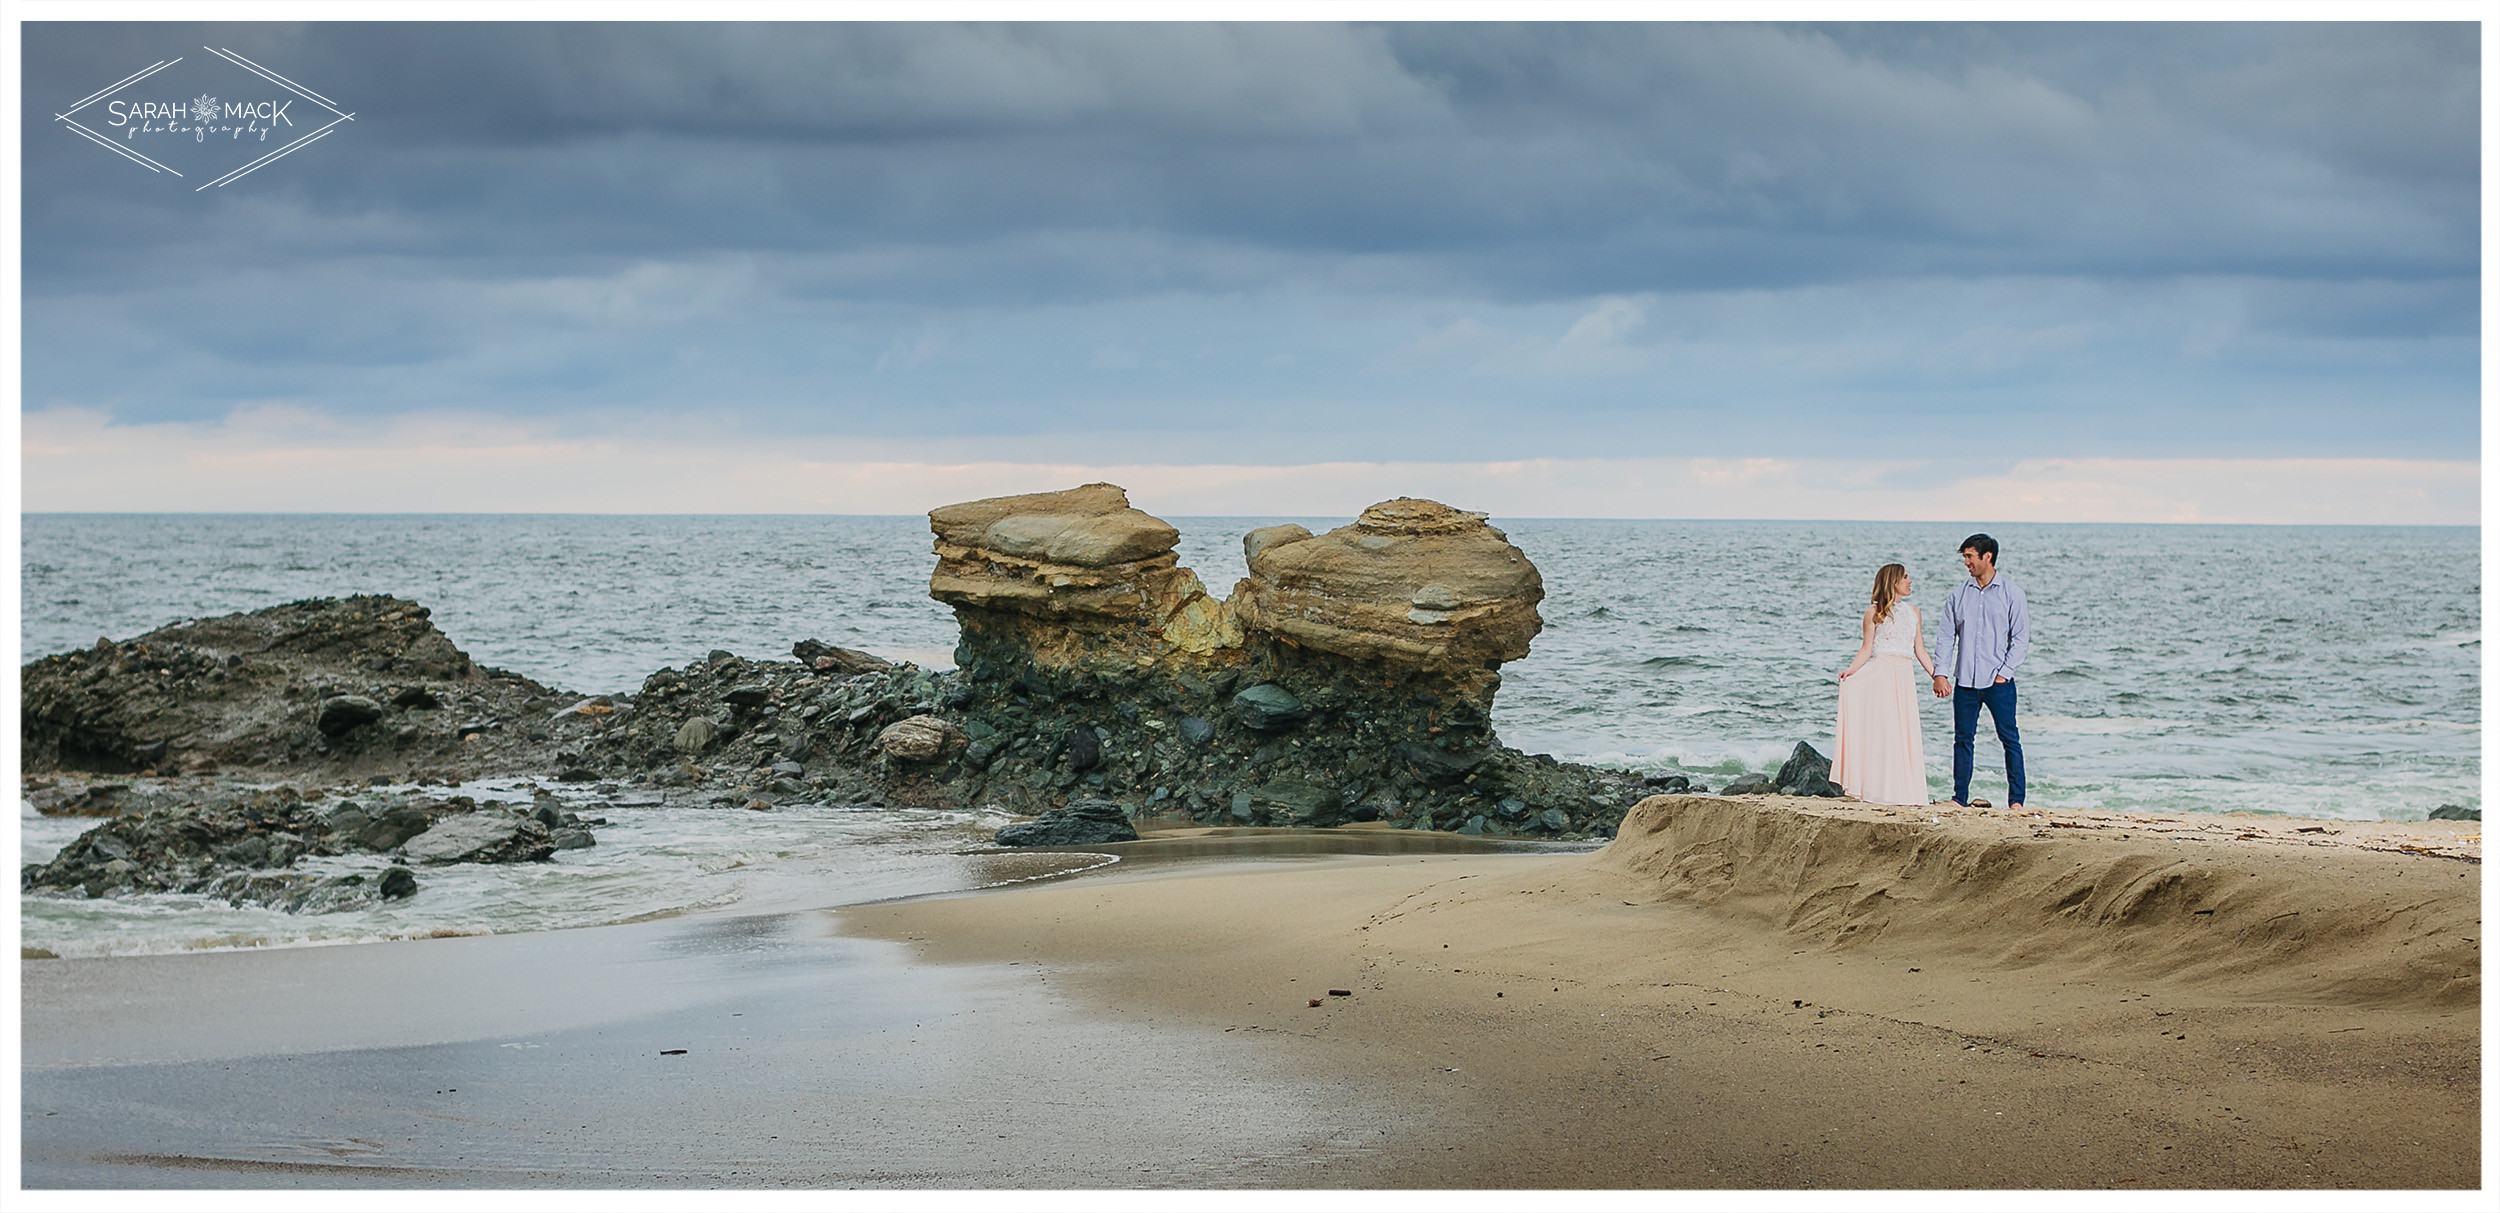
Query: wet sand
x,y
1732,995
810,1059
544,1061
1792,994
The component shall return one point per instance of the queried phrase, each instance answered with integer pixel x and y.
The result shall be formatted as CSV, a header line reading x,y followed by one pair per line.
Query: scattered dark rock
x,y
696,736
817,655
2456,812
90,800
1806,773
417,698
1435,765
241,844
345,712
1267,707
488,836
398,883
395,826
1084,749
921,739
1074,824
1749,785
1288,800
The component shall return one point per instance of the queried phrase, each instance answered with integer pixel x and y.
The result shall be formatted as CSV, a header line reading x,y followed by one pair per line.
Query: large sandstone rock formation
x,y
1080,580
1411,582
1350,676
1074,579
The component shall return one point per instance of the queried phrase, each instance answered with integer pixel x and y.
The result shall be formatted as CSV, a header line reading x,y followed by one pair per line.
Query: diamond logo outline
x,y
204,101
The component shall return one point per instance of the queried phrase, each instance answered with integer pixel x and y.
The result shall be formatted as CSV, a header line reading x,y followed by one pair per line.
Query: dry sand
x,y
1760,992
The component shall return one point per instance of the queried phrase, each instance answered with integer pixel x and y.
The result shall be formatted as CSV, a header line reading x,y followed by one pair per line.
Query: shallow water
x,y
2320,671
651,860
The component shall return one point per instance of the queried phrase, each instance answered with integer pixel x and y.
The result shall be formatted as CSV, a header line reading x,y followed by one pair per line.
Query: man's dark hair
x,y
1981,544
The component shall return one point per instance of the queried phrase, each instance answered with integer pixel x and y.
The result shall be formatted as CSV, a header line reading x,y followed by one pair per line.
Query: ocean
x,y
2316,671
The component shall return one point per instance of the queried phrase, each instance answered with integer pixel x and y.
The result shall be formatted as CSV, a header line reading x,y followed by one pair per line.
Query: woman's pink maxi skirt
x,y
1876,755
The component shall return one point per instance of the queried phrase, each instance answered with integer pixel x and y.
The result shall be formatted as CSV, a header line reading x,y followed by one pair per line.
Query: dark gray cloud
x,y
2119,238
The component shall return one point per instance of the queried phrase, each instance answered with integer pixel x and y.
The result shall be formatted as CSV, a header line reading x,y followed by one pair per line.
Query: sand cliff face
x,y
2288,922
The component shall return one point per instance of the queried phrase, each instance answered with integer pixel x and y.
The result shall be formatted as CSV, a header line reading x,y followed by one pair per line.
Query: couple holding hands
x,y
1984,632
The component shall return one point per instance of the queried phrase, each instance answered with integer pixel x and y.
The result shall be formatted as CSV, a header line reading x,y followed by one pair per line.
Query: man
x,y
1982,635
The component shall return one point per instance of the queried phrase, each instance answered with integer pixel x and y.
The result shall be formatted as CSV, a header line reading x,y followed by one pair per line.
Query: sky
x,y
2026,272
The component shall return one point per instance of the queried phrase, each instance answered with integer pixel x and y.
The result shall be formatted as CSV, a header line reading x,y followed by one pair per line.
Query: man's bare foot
x,y
2014,807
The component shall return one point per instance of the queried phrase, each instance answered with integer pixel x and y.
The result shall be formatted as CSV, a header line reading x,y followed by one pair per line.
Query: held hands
x,y
1944,687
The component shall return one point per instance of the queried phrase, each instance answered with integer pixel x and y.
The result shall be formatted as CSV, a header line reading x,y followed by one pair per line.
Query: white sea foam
x,y
649,861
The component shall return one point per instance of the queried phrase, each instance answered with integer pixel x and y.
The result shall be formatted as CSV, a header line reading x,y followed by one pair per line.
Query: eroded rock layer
x,y
1350,676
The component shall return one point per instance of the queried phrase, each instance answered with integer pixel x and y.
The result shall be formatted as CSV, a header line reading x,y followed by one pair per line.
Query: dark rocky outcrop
x,y
1075,824
324,687
1806,773
1349,677
242,844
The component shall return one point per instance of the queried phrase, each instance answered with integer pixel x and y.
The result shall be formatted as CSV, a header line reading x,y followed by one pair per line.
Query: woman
x,y
1876,755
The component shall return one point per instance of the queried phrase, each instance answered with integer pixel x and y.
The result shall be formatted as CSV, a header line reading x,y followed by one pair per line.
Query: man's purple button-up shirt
x,y
1982,635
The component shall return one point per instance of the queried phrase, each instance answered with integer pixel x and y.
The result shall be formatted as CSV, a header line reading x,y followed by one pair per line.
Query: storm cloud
x,y
1293,243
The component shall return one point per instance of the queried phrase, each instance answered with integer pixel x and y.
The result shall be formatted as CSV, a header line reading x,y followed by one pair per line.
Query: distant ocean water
x,y
2320,671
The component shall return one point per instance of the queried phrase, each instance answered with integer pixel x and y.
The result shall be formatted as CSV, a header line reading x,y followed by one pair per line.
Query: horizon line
x,y
23,514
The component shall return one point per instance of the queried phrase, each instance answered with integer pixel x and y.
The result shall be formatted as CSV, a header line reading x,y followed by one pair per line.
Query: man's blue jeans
x,y
2000,701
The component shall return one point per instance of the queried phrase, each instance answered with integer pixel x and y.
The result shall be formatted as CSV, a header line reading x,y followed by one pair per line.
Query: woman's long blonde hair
x,y
1887,590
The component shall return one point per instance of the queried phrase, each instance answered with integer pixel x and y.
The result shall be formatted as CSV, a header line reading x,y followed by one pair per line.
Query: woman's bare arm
x,y
1866,642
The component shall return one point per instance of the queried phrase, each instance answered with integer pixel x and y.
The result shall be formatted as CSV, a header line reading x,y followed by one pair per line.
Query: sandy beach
x,y
1787,994
1737,993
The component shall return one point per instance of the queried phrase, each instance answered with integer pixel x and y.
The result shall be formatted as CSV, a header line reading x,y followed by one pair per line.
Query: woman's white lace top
x,y
1898,636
